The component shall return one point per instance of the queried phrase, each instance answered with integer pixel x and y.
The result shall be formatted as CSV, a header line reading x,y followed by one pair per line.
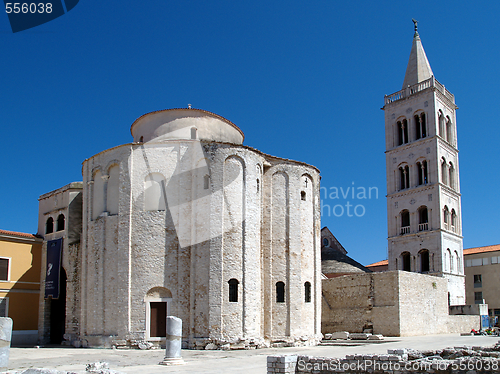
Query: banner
x,y
53,270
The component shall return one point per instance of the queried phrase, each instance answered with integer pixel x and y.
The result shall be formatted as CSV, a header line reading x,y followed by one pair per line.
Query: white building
x,y
423,189
187,221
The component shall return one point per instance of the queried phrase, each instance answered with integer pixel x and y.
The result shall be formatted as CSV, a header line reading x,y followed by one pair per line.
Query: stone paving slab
x,y
216,362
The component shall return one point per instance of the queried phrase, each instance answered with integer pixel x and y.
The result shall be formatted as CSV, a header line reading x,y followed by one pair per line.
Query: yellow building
x,y
482,271
20,266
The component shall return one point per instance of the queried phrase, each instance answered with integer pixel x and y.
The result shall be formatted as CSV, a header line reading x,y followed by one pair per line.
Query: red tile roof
x,y
14,233
488,248
380,263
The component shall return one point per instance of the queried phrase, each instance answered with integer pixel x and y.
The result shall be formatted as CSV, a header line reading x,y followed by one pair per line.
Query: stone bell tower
x,y
423,189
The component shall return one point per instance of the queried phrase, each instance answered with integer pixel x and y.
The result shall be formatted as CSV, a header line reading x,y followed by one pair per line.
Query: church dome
x,y
185,123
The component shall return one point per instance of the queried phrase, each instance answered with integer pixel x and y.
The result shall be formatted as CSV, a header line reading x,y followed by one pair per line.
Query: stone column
x,y
173,342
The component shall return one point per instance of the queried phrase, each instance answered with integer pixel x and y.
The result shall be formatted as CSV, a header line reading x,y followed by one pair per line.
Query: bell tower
x,y
423,189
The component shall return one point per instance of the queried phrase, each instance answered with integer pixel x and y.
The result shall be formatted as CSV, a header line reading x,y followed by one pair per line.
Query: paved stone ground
x,y
217,362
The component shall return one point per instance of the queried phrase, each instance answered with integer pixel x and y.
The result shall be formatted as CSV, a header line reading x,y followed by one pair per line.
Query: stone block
x,y
359,336
5,339
376,337
340,335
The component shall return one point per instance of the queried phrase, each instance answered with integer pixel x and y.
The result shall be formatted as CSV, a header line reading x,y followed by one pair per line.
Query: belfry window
x,y
307,292
424,261
446,216
405,222
422,172
451,176
280,292
453,220
423,219
405,256
233,290
49,225
449,131
404,177
444,172
420,126
441,125
402,131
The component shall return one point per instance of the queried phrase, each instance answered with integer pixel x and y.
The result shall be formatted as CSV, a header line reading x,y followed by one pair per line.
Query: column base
x,y
169,361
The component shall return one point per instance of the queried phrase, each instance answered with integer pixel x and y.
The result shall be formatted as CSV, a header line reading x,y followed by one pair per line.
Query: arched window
x,y
280,292
422,172
453,220
450,260
444,171
451,174
402,131
423,218
441,125
233,290
60,222
446,217
404,177
307,292
457,263
424,261
449,130
406,261
405,222
154,192
113,190
420,130
49,225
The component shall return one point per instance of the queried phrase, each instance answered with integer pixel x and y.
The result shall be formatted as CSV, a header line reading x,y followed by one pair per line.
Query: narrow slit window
x,y
303,195
307,292
280,292
206,182
233,290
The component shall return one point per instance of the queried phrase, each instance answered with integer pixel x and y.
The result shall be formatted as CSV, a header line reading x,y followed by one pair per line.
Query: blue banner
x,y
53,270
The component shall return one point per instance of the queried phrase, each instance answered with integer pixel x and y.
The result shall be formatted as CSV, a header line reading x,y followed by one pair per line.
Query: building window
x,y
446,216
402,132
451,176
258,185
444,171
154,192
49,225
307,292
405,222
478,297
453,220
193,132
441,124
303,195
423,219
233,290
478,282
406,261
424,261
4,269
420,126
404,177
449,131
60,222
280,292
206,182
326,243
422,172
4,306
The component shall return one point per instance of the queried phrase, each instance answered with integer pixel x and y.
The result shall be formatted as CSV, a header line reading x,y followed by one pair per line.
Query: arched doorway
x,y
58,312
158,300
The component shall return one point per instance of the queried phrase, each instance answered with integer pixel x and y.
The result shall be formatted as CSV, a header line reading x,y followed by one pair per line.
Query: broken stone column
x,y
173,342
5,338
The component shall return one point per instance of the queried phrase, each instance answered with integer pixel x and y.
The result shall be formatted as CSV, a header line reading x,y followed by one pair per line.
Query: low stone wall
x,y
457,360
393,303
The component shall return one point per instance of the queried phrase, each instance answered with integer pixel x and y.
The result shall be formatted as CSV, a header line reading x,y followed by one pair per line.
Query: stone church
x,y
186,221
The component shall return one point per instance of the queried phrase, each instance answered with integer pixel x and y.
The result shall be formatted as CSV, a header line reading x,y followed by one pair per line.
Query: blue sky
x,y
303,80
